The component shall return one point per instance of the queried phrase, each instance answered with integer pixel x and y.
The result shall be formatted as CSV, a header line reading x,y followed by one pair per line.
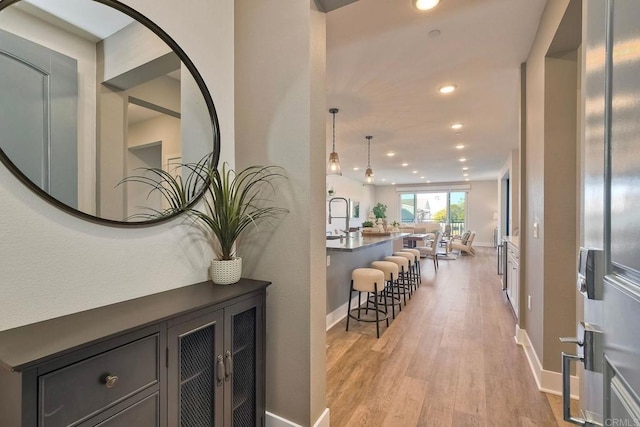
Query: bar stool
x,y
368,280
403,267
390,270
416,257
412,269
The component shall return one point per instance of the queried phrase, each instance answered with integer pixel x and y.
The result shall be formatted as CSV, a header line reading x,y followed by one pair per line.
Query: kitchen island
x,y
345,256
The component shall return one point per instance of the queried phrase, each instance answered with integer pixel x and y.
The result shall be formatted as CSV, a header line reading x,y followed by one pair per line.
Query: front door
x,y
611,206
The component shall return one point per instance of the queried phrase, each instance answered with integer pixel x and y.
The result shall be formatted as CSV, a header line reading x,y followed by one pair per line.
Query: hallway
x,y
449,359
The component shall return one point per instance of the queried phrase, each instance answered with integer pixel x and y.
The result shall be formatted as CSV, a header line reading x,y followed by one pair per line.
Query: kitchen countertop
x,y
357,243
514,240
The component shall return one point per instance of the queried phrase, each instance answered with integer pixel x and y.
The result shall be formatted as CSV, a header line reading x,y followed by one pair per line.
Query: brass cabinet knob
x,y
111,380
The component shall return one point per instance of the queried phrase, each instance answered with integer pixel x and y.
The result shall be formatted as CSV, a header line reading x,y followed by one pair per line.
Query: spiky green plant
x,y
232,200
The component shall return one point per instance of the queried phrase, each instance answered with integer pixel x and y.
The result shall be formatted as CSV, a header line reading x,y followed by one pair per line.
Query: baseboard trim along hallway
x,y
547,381
273,420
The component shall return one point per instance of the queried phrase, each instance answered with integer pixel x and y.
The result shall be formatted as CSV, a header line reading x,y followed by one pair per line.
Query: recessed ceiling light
x,y
391,154
464,169
356,169
466,179
384,179
465,174
447,89
405,164
414,171
422,177
428,182
393,183
456,126
425,4
460,146
462,159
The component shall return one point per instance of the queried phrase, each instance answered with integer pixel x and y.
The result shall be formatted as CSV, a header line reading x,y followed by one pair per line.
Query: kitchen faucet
x,y
346,217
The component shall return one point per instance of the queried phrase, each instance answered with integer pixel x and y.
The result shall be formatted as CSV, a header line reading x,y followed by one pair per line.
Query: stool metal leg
x,y
349,305
375,301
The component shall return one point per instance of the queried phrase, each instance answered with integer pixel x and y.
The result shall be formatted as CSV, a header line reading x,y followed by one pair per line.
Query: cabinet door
x,y
244,360
196,372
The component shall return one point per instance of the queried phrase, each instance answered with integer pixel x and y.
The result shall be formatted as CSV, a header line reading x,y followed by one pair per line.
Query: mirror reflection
x,y
89,95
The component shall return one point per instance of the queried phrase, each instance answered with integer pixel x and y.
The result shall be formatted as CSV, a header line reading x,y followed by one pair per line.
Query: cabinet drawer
x,y
142,414
76,392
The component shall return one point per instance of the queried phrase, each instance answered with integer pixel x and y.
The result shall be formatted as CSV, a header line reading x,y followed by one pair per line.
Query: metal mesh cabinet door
x,y
244,355
196,372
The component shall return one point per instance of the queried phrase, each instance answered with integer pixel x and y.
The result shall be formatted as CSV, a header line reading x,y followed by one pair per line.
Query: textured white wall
x,y
53,264
280,119
532,250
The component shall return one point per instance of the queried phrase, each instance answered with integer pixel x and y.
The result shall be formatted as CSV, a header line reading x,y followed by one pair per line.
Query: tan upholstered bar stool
x,y
411,275
368,280
416,255
390,270
403,268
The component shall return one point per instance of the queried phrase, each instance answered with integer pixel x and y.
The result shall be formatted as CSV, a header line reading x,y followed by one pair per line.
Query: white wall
x,y
54,264
280,119
482,202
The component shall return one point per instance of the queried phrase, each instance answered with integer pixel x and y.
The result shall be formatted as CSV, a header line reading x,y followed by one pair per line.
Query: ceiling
x,y
384,68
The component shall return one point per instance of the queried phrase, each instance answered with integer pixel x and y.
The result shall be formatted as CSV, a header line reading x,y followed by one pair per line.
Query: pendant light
x,y
333,166
368,175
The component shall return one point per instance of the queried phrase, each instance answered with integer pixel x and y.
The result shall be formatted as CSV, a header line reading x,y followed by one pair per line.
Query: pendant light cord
x,y
334,132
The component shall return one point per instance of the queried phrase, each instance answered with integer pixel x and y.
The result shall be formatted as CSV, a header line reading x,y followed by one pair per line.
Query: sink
x,y
333,237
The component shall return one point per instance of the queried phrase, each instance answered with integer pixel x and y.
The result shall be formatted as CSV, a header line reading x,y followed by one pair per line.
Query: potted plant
x,y
380,211
231,205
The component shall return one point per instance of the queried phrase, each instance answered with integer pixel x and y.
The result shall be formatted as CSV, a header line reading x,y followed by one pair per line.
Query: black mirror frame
x,y
203,89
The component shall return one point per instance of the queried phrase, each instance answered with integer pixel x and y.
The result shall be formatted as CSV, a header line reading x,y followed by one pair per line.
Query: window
x,y
445,207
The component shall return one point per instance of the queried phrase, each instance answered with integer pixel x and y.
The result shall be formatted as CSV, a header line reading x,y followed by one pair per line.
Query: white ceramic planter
x,y
225,272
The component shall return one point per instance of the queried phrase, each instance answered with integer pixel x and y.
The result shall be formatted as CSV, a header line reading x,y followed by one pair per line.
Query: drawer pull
x,y
220,370
228,366
111,381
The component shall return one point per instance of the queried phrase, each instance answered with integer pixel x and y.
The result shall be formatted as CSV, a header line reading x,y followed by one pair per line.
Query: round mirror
x,y
92,93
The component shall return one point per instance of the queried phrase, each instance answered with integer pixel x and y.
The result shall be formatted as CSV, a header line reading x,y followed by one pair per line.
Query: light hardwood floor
x,y
449,359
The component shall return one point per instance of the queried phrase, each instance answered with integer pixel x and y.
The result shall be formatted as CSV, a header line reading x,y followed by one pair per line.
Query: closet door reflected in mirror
x,y
93,92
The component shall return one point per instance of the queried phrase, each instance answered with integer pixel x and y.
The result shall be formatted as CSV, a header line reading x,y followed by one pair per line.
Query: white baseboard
x,y
273,420
323,420
547,381
340,313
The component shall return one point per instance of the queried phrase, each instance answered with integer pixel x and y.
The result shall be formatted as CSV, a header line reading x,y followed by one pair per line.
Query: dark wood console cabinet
x,y
188,357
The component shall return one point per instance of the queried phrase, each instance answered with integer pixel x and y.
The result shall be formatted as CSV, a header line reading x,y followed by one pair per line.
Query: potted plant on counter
x,y
232,204
367,226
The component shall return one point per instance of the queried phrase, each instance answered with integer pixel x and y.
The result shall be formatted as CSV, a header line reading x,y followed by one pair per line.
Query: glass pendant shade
x,y
333,165
368,176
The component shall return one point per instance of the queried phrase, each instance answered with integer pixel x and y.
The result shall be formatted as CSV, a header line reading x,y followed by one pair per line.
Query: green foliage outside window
x,y
456,214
